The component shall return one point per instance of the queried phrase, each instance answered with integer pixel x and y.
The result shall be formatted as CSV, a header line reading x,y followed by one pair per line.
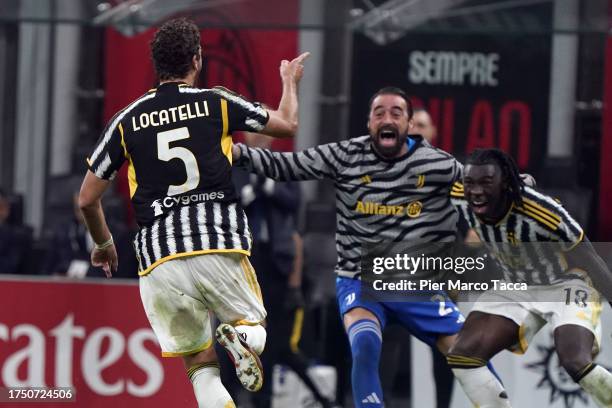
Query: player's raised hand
x,y
106,259
294,69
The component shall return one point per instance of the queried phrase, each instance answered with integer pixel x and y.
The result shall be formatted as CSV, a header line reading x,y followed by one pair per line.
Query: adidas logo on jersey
x,y
371,399
420,181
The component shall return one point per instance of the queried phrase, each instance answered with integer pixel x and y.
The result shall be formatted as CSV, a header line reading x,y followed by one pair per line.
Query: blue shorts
x,y
426,320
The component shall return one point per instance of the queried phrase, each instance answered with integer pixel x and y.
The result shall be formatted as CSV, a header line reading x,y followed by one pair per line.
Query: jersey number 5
x,y
167,153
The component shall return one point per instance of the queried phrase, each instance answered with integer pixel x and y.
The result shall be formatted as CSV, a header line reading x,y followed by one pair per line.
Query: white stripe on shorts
x,y
186,229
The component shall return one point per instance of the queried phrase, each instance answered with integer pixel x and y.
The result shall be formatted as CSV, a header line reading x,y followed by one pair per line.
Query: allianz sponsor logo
x,y
166,203
412,209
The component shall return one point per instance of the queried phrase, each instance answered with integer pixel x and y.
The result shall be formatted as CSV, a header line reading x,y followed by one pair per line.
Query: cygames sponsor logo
x,y
161,205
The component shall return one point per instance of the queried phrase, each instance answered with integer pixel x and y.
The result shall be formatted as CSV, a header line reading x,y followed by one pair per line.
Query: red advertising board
x,y
92,336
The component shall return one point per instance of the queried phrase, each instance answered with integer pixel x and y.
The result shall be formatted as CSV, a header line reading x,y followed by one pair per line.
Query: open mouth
x,y
479,206
387,137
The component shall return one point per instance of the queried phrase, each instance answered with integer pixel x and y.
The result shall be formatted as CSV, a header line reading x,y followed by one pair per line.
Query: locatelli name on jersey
x,y
174,114
162,205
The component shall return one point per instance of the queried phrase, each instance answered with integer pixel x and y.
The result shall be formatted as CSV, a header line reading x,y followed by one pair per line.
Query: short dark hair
x,y
393,90
510,171
173,47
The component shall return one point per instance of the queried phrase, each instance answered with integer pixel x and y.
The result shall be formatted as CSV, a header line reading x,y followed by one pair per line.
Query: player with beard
x,y
390,187
534,241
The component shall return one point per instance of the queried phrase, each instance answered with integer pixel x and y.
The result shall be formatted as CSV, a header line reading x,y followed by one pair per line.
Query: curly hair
x,y
510,171
173,47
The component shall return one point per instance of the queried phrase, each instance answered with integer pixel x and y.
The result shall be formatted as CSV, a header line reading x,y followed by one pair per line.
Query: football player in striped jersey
x,y
534,240
390,187
193,240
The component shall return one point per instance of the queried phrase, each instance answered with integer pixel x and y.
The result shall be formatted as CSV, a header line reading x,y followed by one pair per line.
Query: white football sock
x,y
482,388
208,389
255,336
598,384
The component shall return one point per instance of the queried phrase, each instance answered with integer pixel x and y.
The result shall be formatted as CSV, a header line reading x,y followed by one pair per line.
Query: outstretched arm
x,y
318,162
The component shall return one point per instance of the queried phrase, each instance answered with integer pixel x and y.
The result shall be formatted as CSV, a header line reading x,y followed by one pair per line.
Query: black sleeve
x,y
241,113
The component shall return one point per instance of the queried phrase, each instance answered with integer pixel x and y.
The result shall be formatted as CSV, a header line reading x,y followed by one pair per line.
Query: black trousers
x,y
283,325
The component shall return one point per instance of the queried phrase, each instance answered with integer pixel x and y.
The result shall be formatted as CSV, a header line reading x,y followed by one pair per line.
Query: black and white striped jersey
x,y
177,142
528,244
377,200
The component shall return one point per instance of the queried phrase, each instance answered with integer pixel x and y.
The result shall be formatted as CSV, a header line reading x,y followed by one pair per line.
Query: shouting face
x,y
388,124
485,191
